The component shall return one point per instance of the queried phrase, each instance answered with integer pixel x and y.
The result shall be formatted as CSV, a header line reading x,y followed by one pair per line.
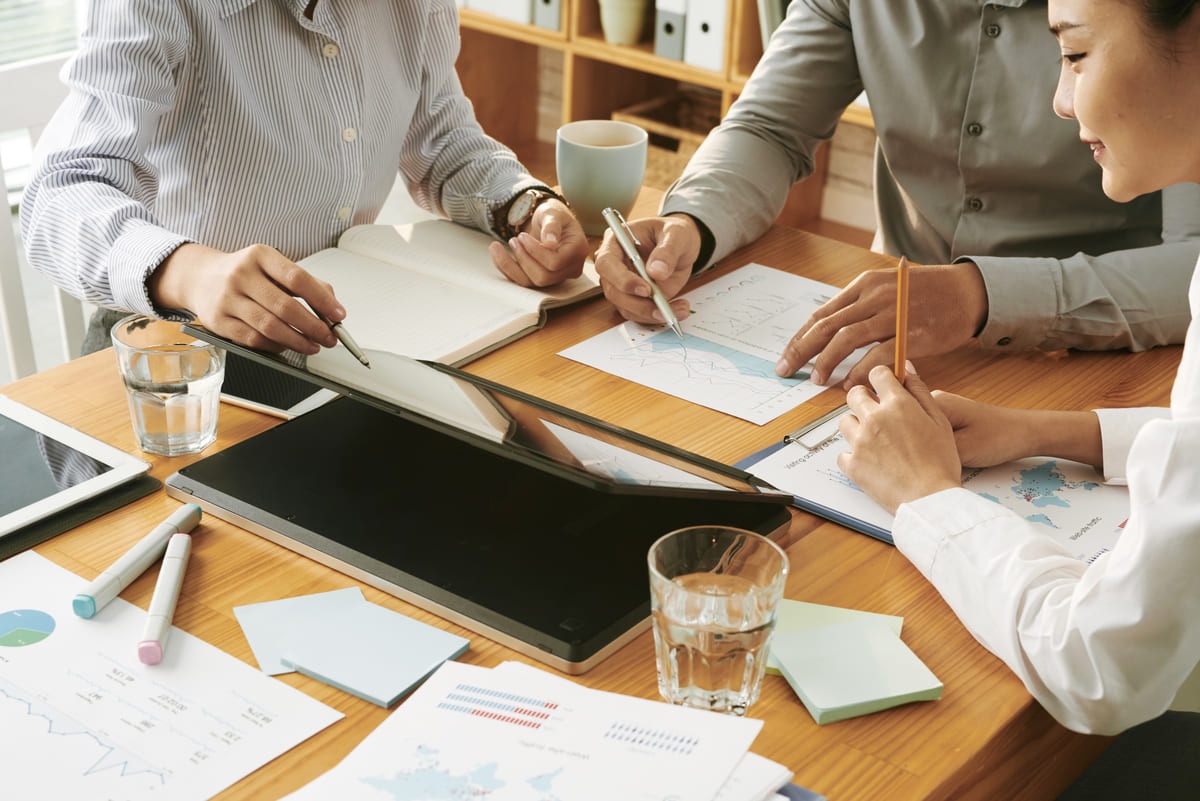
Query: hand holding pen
x,y
629,246
344,337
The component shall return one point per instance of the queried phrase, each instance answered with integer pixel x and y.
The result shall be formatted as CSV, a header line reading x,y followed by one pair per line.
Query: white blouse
x,y
1103,646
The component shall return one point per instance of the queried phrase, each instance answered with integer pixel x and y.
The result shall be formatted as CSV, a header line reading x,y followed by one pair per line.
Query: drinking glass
x,y
172,382
714,596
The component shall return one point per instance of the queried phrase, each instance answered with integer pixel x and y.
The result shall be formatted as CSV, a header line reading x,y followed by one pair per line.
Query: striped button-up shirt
x,y
234,122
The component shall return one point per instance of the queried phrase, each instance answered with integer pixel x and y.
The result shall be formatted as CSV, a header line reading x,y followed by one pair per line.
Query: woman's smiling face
x,y
1135,92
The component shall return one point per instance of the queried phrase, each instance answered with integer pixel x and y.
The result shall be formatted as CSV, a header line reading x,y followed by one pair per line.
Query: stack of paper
x,y
852,668
342,639
520,732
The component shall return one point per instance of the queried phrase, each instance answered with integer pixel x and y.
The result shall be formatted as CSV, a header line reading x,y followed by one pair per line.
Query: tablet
x,y
530,527
256,386
48,466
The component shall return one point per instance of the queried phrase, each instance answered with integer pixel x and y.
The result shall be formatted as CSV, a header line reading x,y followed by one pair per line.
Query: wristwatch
x,y
516,213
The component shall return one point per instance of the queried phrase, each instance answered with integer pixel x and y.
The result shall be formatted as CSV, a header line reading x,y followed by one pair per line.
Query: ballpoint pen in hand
x,y
344,337
629,243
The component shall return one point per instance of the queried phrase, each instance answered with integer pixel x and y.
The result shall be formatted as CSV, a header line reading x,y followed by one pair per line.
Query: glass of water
x,y
173,384
714,596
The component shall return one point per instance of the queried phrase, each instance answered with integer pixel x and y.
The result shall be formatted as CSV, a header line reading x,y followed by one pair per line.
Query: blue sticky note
x,y
797,615
851,669
371,652
270,627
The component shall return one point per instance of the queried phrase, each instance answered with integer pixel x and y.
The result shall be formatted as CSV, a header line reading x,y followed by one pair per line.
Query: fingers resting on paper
x,y
948,305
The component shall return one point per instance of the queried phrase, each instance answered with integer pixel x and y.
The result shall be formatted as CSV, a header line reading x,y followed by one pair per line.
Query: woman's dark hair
x,y
1167,15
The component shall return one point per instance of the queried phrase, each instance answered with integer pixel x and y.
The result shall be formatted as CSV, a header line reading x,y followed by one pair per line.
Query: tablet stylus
x,y
133,563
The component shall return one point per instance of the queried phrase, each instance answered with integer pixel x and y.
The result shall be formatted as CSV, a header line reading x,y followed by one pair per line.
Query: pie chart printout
x,y
21,627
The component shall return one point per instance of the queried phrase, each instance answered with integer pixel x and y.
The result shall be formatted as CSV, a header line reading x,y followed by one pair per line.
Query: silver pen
x,y
629,244
344,337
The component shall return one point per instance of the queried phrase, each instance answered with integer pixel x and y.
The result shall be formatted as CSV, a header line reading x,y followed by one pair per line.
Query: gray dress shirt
x,y
971,164
242,121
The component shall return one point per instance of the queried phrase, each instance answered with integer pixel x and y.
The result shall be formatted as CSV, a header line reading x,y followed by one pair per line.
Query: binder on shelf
x,y
548,14
704,34
669,20
514,10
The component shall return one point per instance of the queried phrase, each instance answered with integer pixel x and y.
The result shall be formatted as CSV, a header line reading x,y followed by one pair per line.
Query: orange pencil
x,y
901,318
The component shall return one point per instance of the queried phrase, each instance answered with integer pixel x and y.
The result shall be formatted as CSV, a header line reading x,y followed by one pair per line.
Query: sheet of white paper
x,y
603,459
1066,500
735,334
519,734
82,718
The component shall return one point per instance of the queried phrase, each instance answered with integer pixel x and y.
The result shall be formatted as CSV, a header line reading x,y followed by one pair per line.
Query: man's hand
x,y
249,296
669,246
948,305
551,251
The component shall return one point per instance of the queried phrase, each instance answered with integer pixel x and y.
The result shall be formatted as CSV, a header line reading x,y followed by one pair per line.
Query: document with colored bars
x,y
519,732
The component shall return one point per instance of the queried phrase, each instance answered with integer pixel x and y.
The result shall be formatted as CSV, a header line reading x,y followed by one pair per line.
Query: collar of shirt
x,y
297,8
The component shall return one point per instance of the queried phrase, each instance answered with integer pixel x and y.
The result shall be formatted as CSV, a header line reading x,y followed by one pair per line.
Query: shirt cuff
x,y
922,527
134,257
1022,297
1118,429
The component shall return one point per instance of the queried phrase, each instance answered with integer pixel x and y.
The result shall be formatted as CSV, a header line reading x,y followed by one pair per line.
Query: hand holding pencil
x,y
901,319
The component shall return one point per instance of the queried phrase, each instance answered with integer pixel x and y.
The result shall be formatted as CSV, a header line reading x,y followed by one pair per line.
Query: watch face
x,y
521,208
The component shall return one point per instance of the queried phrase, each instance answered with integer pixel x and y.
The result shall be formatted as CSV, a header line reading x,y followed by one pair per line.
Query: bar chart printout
x,y
519,732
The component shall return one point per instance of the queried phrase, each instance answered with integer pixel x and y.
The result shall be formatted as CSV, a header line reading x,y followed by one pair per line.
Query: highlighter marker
x,y
133,563
166,594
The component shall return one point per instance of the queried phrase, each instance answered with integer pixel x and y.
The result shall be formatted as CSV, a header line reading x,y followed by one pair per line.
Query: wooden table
x,y
986,738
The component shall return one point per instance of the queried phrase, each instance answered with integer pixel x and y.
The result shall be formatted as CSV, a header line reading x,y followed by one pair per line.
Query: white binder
x,y
669,21
548,14
704,34
514,10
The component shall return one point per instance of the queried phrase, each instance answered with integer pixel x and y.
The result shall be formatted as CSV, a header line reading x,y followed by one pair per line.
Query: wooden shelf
x,y
500,61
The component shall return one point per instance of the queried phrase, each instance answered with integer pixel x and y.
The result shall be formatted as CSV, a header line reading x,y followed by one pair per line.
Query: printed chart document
x,y
428,290
732,340
82,718
1068,500
519,733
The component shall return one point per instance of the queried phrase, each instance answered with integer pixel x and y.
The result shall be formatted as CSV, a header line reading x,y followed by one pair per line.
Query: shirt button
x,y
974,204
992,30
349,134
1002,341
974,129
330,50
344,213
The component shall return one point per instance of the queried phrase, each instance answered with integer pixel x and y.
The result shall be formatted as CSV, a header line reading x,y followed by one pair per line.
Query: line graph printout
x,y
736,332
518,733
82,718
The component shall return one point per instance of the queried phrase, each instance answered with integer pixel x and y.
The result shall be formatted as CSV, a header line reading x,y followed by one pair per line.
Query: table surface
x,y
985,738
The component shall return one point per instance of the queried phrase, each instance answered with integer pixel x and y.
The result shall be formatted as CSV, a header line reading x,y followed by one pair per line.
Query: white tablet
x,y
46,466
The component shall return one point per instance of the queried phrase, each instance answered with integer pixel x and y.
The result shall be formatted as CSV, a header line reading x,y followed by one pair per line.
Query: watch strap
x,y
500,221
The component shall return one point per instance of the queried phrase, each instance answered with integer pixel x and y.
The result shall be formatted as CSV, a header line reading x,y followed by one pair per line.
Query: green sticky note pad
x,y
797,615
850,669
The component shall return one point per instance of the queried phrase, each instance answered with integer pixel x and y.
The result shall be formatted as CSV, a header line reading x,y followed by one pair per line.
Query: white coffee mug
x,y
600,163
